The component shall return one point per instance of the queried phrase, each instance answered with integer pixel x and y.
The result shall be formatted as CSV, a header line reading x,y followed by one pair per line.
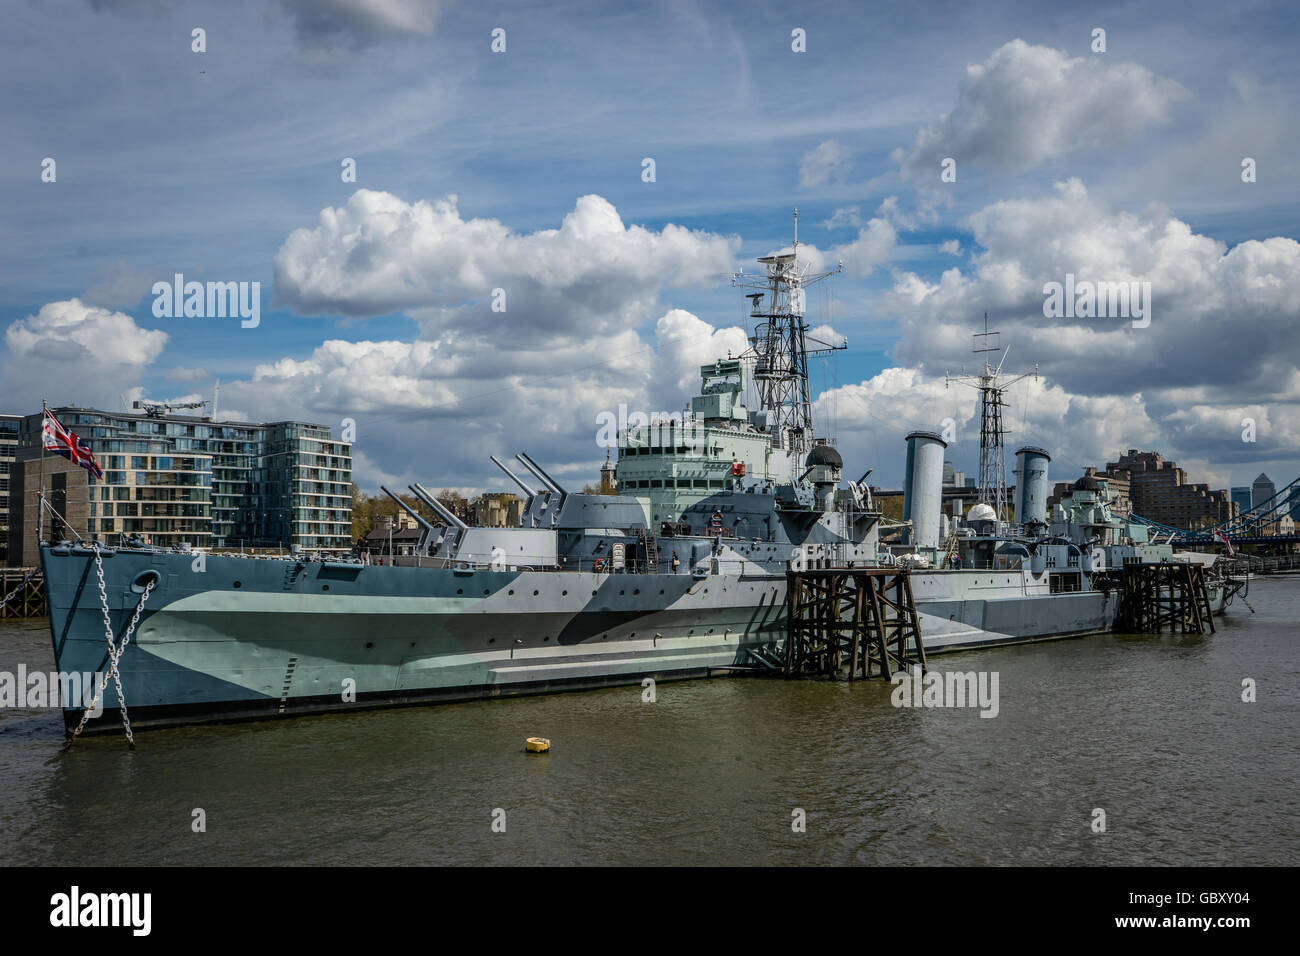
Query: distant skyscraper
x,y
1241,495
1261,489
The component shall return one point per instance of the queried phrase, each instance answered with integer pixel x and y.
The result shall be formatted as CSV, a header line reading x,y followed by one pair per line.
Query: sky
x,y
607,168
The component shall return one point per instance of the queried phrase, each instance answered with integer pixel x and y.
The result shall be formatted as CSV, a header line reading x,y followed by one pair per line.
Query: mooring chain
x,y
21,584
115,652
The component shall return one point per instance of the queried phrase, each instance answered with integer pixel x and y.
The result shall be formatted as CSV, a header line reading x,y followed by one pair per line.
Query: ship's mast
x,y
991,386
780,344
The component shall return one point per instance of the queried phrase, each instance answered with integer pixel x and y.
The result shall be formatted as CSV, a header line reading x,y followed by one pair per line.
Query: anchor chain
x,y
115,652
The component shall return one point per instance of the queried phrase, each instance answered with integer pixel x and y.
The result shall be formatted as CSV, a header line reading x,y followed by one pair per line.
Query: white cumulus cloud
x,y
71,331
1222,320
73,352
1026,103
380,254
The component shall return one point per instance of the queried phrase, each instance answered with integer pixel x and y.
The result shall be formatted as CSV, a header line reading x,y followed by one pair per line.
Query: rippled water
x,y
1150,729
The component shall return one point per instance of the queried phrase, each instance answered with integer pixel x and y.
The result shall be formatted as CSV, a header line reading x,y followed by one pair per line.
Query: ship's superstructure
x,y
680,574
677,461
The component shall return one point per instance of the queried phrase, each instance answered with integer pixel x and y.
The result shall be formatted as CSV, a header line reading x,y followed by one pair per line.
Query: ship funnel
x,y
1031,485
923,488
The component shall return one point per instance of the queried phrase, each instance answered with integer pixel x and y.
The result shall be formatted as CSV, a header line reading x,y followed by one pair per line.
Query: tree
x,y
362,513
891,506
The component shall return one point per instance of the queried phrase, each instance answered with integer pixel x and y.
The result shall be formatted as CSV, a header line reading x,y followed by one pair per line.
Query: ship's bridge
x,y
676,460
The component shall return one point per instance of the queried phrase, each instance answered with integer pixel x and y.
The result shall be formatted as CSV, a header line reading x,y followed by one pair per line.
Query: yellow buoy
x,y
537,745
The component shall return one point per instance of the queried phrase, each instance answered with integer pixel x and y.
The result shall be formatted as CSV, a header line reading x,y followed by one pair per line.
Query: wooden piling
x,y
29,601
847,616
1169,595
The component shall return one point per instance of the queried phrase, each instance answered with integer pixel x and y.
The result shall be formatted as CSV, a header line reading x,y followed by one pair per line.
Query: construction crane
x,y
159,409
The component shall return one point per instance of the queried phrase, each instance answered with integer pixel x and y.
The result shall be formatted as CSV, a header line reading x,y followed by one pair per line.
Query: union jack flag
x,y
59,440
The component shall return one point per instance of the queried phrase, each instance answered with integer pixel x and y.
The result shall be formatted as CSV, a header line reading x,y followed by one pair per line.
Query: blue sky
x,y
225,165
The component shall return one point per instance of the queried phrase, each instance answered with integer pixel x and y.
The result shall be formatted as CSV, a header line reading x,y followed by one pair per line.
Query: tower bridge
x,y
1246,528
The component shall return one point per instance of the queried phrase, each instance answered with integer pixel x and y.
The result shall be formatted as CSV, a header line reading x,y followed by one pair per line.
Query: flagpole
x,y
40,497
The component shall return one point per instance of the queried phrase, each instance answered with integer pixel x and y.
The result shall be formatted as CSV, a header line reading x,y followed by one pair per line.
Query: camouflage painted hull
x,y
250,638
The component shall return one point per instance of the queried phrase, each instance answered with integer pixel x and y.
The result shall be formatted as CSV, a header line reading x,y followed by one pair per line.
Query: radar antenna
x,y
780,345
991,386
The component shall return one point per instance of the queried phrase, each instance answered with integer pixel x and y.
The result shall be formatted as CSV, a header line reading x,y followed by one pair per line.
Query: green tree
x,y
362,517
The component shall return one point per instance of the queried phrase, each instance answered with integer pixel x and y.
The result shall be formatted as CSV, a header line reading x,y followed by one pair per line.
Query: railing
x,y
1250,563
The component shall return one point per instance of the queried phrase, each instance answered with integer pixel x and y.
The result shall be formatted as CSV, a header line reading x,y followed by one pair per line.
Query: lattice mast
x,y
779,346
991,386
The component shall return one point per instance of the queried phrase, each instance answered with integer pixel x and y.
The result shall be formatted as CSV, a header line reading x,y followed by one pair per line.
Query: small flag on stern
x,y
1220,536
63,442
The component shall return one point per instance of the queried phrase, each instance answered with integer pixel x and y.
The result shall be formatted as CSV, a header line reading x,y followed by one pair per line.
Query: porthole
x,y
564,594
511,591
238,584
636,590
535,593
460,590
369,644
324,587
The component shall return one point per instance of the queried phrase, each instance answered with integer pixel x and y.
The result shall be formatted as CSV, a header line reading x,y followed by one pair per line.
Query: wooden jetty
x,y
862,620
1160,595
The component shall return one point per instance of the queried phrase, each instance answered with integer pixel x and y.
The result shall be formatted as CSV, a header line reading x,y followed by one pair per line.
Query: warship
x,y
680,574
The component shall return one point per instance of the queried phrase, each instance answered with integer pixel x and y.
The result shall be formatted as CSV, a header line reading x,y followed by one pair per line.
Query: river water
x,y
1152,730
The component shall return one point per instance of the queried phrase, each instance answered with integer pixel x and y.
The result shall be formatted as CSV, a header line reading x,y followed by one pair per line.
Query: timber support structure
x,y
859,621
1169,595
22,593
